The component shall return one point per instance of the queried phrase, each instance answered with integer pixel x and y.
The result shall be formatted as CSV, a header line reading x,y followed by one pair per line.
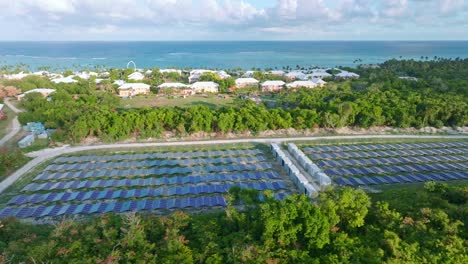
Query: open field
x,y
212,101
160,180
391,163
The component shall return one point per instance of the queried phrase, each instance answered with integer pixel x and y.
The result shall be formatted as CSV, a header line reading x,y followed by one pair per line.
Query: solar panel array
x,y
151,163
368,164
150,181
145,192
161,155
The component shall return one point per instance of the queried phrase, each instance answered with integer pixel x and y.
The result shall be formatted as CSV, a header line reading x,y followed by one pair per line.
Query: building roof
x,y
277,72
199,71
68,79
86,75
320,73
173,85
170,70
16,76
136,76
223,74
40,73
204,84
246,80
38,90
318,81
119,82
134,86
276,83
194,76
301,84
346,74
248,74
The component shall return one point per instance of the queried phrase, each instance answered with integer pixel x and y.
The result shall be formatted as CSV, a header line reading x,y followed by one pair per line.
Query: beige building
x,y
246,82
205,87
132,89
272,86
301,84
175,89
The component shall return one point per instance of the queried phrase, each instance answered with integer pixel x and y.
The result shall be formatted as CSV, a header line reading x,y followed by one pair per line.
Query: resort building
x,y
194,78
346,75
136,76
301,84
319,73
246,82
296,75
68,79
171,71
175,89
45,92
55,76
223,74
205,87
319,82
86,75
277,73
104,74
248,74
16,76
272,86
41,73
199,71
132,89
119,82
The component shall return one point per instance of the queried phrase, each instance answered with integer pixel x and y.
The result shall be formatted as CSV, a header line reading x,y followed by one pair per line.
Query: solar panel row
x,y
372,180
405,146
151,171
168,155
387,161
180,180
113,206
146,192
396,169
150,163
388,153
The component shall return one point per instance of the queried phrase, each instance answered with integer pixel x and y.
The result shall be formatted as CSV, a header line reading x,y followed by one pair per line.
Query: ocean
x,y
221,54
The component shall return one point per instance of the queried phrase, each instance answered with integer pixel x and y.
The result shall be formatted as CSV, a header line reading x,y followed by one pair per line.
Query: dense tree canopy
x,y
342,226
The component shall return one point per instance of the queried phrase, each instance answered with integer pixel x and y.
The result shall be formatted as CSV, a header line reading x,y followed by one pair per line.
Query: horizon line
x,y
342,40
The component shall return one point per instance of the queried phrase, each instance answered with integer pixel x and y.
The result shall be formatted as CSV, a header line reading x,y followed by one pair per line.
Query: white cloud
x,y
395,8
450,6
213,17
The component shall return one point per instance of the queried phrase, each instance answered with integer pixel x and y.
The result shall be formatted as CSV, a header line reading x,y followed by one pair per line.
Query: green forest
x,y
379,98
405,225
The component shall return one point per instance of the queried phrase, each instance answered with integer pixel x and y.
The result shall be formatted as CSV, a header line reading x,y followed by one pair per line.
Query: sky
x,y
131,20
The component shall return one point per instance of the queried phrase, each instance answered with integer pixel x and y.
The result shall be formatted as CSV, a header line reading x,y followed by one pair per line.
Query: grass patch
x,y
39,143
212,101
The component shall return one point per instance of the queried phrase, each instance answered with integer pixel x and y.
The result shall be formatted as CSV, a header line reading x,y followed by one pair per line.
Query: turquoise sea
x,y
221,54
